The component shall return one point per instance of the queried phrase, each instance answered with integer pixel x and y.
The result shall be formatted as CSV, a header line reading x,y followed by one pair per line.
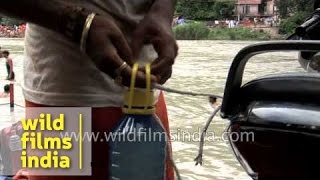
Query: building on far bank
x,y
256,9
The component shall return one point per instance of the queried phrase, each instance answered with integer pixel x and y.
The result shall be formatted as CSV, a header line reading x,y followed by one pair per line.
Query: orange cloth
x,y
103,120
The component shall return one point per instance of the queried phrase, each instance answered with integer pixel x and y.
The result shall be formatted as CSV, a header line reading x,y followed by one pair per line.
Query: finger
x,y
113,61
162,65
140,78
167,51
122,46
110,60
162,78
165,45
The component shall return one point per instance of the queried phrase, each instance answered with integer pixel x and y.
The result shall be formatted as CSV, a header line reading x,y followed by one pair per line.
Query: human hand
x,y
156,31
108,48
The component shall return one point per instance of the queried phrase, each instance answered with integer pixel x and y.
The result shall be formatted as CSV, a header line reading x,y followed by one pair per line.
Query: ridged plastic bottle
x,y
138,151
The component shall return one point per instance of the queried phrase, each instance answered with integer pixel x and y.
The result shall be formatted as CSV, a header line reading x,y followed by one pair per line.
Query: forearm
x,y
164,9
52,14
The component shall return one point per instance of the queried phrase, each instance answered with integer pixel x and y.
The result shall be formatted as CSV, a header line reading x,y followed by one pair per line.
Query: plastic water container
x,y
138,150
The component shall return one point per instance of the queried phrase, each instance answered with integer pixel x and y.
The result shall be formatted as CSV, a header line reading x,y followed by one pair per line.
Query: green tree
x,y
289,24
205,9
289,7
224,9
283,7
10,21
293,13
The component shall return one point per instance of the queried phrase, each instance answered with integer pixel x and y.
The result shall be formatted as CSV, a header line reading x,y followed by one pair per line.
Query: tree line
x,y
288,8
205,9
9,21
219,9
293,13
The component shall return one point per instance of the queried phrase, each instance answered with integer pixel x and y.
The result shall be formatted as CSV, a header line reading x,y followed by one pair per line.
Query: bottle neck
x,y
139,102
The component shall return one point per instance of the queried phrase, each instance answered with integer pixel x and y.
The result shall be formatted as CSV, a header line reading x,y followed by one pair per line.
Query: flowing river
x,y
201,66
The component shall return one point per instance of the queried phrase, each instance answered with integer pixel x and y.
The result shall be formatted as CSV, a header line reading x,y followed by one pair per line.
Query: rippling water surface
x,y
201,66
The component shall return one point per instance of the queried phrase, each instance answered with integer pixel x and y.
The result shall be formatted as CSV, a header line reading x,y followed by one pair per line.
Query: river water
x,y
201,66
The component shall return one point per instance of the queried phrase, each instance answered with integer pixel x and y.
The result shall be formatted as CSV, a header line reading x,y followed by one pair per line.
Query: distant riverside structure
x,y
257,11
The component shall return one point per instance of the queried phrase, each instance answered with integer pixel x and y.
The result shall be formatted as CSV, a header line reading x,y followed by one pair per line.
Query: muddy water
x,y
201,66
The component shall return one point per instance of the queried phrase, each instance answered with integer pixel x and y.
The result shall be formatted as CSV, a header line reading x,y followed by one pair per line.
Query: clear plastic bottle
x,y
138,150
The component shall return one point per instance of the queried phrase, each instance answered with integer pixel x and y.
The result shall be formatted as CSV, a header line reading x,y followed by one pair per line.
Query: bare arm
x,y
106,45
164,9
